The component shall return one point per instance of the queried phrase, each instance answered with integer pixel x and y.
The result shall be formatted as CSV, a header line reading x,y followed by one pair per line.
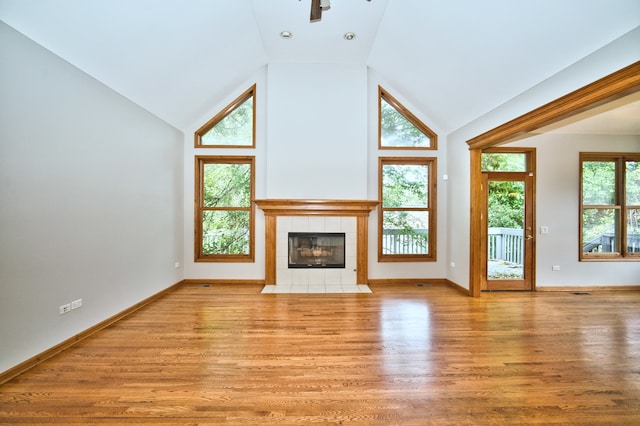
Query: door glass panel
x,y
506,230
504,162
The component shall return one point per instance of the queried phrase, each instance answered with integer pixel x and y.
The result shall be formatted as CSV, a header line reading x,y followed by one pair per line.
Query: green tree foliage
x,y
632,192
506,204
227,185
396,130
405,185
225,232
598,183
503,162
598,189
633,183
506,198
235,129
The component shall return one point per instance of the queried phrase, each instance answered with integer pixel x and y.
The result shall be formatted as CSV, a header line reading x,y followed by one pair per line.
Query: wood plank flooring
x,y
401,356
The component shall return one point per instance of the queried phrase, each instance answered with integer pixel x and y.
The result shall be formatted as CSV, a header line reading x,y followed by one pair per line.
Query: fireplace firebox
x,y
316,249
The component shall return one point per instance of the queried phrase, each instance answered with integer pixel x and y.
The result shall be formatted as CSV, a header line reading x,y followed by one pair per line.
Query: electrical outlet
x,y
64,309
177,265
555,268
76,304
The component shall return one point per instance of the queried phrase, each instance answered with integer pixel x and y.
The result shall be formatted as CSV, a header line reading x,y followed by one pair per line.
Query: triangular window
x,y
399,128
234,126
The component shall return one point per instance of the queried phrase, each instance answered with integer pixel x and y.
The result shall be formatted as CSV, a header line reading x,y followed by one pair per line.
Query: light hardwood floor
x,y
401,355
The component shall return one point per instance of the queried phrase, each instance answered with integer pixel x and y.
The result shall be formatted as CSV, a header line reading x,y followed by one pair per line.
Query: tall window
x,y
223,215
610,206
407,218
398,128
233,127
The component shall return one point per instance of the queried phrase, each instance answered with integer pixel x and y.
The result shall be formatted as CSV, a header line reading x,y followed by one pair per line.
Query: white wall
x,y
317,131
617,55
557,207
90,200
316,139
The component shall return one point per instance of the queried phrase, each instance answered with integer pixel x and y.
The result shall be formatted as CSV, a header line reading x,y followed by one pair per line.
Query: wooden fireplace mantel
x,y
273,208
277,207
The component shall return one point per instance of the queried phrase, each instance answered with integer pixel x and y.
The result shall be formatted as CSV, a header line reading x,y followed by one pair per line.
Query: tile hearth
x,y
315,289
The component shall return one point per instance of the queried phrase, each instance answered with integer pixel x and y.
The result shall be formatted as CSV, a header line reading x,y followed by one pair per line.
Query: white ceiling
x,y
455,60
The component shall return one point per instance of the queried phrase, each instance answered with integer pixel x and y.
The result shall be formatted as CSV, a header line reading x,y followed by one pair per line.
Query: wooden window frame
x,y
200,161
619,158
248,94
431,163
433,137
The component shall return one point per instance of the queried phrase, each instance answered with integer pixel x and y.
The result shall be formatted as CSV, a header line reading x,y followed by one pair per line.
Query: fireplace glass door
x,y
316,250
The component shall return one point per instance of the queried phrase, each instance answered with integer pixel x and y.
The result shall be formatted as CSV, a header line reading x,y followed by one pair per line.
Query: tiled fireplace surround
x,y
348,216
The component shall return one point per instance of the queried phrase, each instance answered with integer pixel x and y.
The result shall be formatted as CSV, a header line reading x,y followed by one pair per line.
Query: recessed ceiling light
x,y
349,36
286,34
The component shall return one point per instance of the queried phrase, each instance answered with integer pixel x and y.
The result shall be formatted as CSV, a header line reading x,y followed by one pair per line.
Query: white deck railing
x,y
398,241
506,244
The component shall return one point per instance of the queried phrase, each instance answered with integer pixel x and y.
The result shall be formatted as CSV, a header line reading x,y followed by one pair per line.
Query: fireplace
x,y
316,249
337,216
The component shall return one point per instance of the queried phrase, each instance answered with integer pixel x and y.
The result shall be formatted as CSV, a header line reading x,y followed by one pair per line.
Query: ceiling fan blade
x,y
316,11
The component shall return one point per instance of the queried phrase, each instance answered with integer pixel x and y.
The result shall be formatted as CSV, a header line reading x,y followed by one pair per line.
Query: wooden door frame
x,y
614,86
529,178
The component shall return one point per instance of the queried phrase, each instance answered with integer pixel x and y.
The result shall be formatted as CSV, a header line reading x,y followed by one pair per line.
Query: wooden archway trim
x,y
617,85
614,86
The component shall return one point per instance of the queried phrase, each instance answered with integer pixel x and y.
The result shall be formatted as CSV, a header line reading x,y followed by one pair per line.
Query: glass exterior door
x,y
509,231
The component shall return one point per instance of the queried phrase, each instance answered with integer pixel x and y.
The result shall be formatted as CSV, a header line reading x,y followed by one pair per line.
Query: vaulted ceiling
x,y
455,60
